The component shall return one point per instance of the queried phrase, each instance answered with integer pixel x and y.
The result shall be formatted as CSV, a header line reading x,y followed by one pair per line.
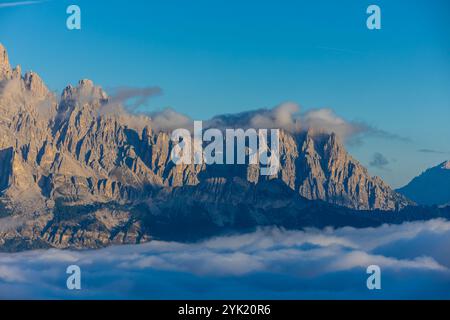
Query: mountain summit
x,y
76,153
5,68
432,187
446,165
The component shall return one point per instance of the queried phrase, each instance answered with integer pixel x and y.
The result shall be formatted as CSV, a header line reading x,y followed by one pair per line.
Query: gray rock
x,y
72,153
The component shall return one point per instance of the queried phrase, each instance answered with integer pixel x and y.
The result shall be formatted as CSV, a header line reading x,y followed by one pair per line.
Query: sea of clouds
x,y
269,263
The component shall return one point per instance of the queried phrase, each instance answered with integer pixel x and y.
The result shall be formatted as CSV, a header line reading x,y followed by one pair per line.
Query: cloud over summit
x,y
132,104
288,116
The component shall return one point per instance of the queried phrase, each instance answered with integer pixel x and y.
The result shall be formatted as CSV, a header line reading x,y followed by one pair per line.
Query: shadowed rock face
x,y
74,150
432,187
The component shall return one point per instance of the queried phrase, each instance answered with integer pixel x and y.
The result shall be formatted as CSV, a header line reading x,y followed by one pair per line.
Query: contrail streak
x,y
18,3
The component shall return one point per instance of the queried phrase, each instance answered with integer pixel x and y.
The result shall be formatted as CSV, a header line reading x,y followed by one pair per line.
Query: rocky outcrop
x,y
431,187
327,172
5,68
34,84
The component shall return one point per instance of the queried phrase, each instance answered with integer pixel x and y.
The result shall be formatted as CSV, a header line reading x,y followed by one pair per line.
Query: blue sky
x,y
213,57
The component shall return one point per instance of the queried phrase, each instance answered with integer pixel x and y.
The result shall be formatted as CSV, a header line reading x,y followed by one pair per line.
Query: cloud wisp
x,y
288,116
379,161
133,98
432,151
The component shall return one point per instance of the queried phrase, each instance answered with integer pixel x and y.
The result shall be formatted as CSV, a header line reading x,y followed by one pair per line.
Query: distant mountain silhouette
x,y
432,187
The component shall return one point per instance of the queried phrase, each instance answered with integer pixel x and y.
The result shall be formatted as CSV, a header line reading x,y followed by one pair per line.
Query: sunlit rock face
x,y
5,68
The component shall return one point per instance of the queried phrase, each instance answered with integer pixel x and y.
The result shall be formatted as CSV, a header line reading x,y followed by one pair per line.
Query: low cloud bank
x,y
270,262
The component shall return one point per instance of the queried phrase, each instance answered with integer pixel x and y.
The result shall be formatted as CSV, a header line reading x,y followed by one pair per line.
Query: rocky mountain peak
x,y
5,68
17,72
87,87
83,155
333,147
35,84
446,165
86,83
431,187
84,92
308,146
82,160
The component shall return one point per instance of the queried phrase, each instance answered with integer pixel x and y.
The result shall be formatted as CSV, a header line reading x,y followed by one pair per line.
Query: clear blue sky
x,y
220,56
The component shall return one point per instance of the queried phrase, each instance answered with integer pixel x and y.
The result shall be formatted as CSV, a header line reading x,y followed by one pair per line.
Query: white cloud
x,y
288,116
283,116
266,249
168,120
126,101
363,259
133,98
325,120
10,274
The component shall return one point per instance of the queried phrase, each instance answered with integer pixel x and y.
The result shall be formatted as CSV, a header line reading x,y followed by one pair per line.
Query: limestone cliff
x,y
68,150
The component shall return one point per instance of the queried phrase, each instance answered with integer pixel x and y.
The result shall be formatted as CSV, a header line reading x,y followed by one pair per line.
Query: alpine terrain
x,y
76,173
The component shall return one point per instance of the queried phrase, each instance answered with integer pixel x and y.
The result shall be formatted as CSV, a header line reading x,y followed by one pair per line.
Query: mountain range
x,y
76,171
432,187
